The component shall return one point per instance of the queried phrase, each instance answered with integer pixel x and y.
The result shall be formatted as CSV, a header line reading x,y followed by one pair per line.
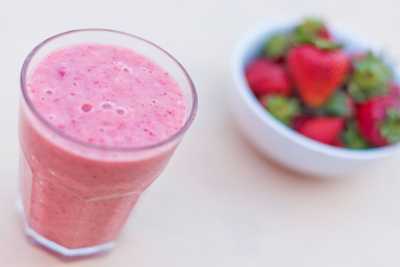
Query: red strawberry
x,y
326,130
379,118
317,73
338,142
267,77
299,121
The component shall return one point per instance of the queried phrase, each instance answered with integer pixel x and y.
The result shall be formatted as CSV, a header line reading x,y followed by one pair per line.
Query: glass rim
x,y
166,141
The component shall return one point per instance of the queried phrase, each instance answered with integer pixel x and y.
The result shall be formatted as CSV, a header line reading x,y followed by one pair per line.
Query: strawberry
x,y
379,119
267,77
326,130
299,121
338,143
317,73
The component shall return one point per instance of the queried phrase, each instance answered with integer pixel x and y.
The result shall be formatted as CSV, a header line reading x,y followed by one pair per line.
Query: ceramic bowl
x,y
276,140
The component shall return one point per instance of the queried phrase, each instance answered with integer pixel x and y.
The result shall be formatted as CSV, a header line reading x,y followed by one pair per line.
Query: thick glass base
x,y
67,252
59,249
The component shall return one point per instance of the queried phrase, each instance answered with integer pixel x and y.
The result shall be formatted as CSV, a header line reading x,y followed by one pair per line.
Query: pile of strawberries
x,y
305,79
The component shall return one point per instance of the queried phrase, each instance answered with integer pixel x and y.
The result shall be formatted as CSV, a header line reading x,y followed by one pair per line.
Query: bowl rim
x,y
242,88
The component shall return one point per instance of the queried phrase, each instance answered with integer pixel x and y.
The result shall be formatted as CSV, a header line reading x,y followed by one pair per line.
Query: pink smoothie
x,y
111,98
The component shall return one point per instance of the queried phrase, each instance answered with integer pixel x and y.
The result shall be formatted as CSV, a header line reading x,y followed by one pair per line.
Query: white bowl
x,y
281,143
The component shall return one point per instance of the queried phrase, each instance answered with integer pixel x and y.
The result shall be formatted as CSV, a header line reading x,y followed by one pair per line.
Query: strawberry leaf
x,y
277,46
307,30
338,105
370,78
352,137
283,108
324,44
390,128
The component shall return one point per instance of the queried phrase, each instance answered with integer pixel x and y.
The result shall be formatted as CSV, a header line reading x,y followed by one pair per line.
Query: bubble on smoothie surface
x,y
107,95
107,105
120,111
86,107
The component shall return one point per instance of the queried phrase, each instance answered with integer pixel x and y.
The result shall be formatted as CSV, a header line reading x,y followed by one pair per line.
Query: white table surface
x,y
218,203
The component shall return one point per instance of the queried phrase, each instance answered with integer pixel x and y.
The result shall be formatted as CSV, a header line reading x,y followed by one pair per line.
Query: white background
x,y
218,203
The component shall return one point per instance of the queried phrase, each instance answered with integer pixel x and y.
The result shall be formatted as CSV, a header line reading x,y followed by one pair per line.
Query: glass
x,y
67,201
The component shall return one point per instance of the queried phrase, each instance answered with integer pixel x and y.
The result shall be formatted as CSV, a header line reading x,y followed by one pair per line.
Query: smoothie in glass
x,y
99,122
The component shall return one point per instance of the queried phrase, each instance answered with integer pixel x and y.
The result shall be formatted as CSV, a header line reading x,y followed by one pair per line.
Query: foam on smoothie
x,y
106,95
